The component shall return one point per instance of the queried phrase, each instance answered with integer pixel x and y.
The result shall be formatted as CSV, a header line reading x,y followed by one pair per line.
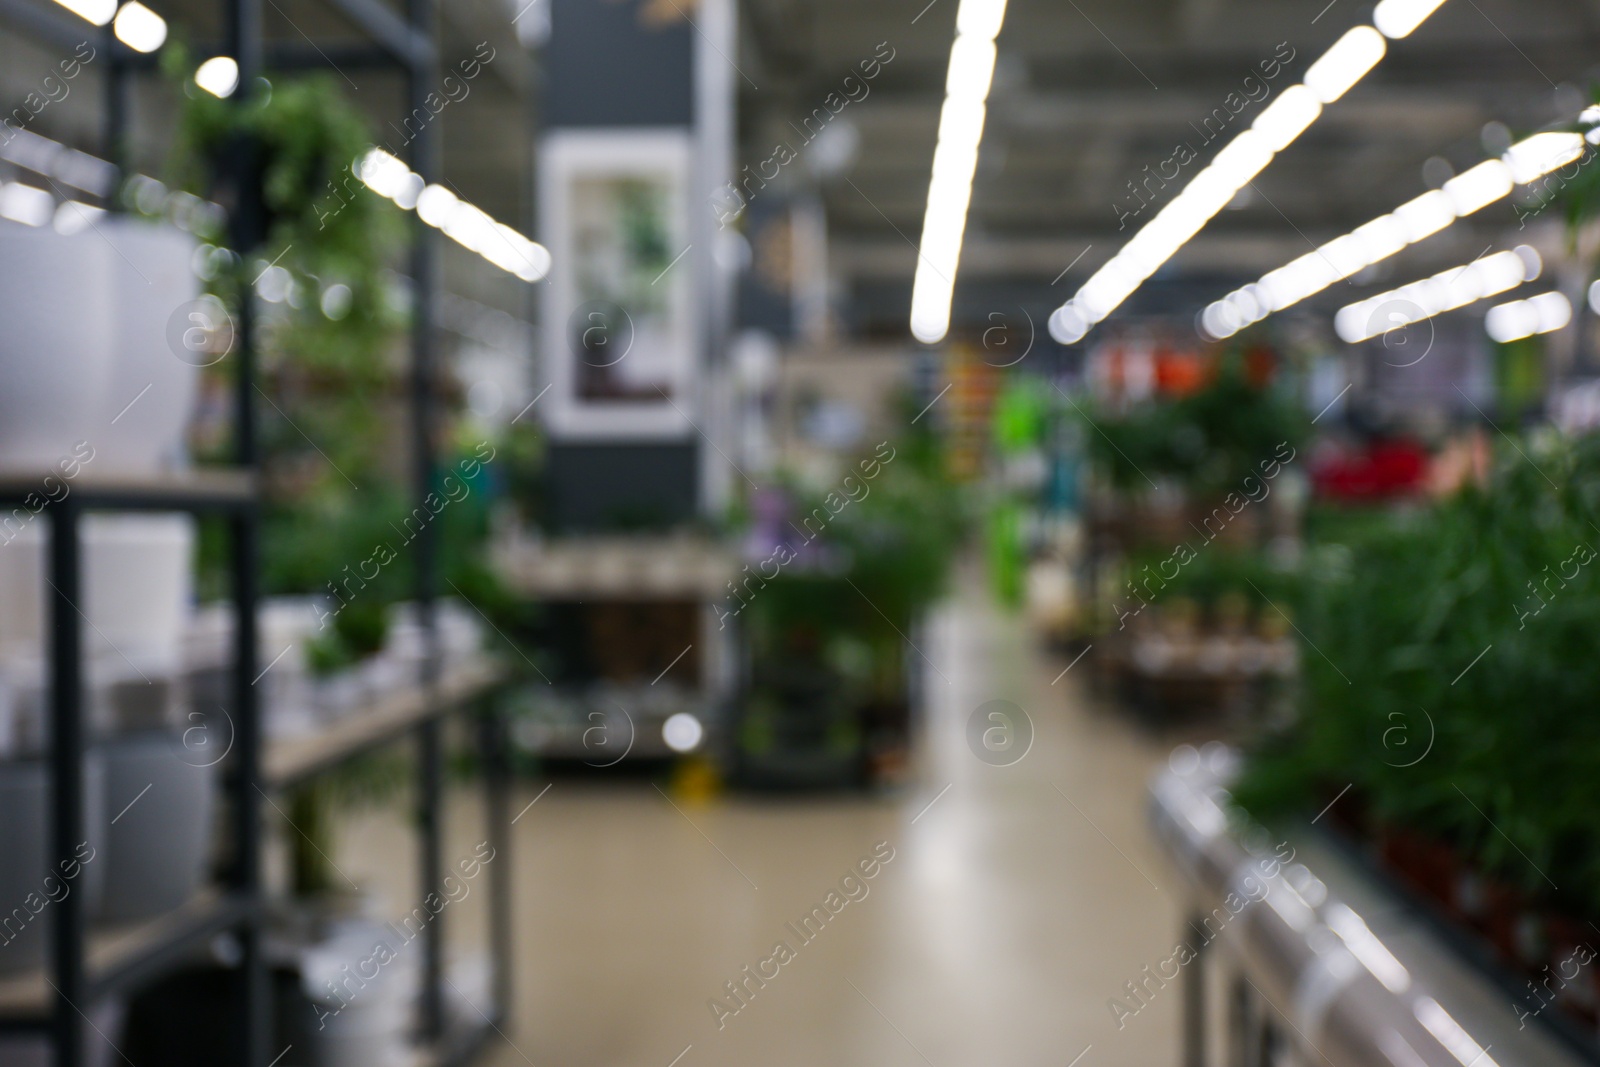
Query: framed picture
x,y
619,326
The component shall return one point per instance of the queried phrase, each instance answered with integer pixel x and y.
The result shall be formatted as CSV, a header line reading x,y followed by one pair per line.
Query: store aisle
x,y
1017,900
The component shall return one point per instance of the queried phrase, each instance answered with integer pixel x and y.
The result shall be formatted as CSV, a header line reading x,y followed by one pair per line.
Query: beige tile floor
x,y
1018,901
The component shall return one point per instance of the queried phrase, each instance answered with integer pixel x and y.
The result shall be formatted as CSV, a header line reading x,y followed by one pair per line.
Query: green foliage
x,y
1022,413
1471,623
297,140
314,812
1574,188
316,545
323,414
1217,573
1207,440
891,552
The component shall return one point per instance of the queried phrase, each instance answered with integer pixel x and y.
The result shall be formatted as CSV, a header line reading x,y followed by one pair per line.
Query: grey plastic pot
x,y
32,883
159,801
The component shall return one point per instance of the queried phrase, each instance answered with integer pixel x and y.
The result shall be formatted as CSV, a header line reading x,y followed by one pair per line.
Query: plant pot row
x,y
149,801
1554,951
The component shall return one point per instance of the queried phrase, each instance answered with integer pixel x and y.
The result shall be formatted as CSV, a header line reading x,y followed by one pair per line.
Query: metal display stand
x,y
1313,960
82,967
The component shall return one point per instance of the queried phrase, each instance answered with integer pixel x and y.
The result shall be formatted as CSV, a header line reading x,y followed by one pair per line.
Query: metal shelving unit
x,y
85,966
1315,959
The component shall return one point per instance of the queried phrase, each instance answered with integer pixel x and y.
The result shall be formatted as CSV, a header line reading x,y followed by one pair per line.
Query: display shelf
x,y
203,489
634,568
291,759
116,957
1326,943
84,963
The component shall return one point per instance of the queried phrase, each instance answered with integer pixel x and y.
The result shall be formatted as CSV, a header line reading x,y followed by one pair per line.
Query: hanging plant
x,y
283,165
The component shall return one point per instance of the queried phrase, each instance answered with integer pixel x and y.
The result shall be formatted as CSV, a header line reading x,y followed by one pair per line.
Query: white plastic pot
x,y
361,1003
29,875
56,347
154,285
137,571
162,797
284,626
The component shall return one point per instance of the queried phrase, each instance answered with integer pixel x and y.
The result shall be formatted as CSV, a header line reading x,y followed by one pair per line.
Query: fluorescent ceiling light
x,y
1525,318
1542,153
981,18
218,76
437,205
98,12
1415,220
1240,161
1397,18
971,69
1288,116
1068,325
1381,238
466,224
1346,63
1479,187
955,162
1277,127
1426,215
1445,291
962,123
140,28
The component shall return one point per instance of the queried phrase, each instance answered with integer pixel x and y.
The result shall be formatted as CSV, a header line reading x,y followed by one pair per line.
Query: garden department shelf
x,y
1331,950
118,957
289,760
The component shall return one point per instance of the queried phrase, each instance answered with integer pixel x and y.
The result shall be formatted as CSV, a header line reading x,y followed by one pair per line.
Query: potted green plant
x,y
1449,680
832,676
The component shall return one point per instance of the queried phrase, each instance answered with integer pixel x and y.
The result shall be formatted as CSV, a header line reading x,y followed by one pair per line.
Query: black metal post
x,y
243,21
254,1011
67,745
244,37
497,814
430,870
118,90
1194,1004
424,153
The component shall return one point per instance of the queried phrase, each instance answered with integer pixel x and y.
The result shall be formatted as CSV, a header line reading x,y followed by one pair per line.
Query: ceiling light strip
x,y
1445,291
1339,69
1414,221
1545,313
464,223
955,163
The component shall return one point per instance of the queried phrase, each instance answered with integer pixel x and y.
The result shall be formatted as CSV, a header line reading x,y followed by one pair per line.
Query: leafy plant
x,y
316,244
1214,574
1207,439
291,147
1450,674
883,560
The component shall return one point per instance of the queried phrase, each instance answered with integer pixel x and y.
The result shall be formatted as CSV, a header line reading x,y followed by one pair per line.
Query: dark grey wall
x,y
606,68
622,486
